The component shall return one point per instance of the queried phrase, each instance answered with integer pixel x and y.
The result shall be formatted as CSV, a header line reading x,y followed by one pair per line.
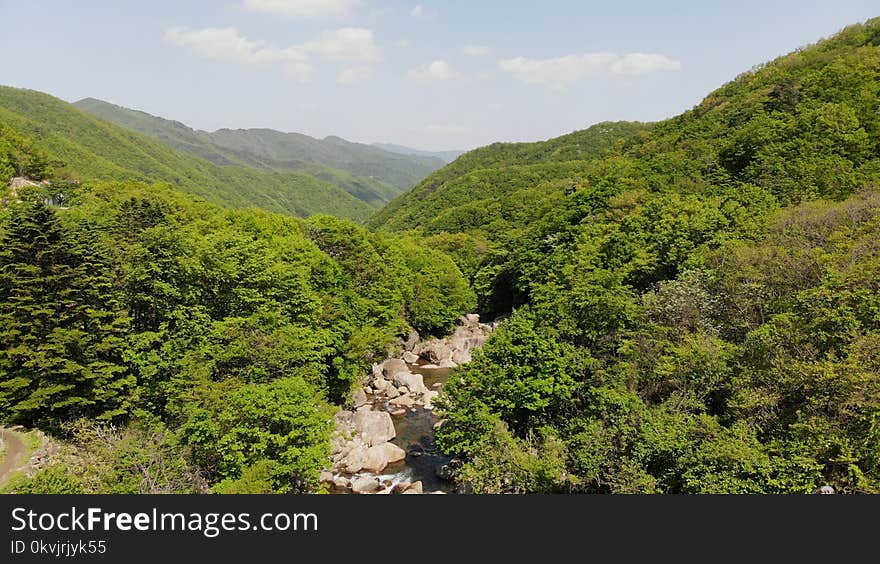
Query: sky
x,y
434,75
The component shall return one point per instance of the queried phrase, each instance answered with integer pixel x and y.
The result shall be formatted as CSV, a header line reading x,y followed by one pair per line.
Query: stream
x,y
415,435
383,440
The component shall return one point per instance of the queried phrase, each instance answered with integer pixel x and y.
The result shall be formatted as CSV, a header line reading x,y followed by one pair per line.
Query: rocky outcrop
x,y
456,349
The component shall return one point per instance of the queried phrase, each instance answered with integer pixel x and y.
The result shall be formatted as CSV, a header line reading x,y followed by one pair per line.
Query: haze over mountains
x,y
445,156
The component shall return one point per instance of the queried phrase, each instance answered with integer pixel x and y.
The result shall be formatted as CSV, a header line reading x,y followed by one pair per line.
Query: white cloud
x,y
401,43
301,8
476,50
227,45
559,72
346,44
564,71
431,72
420,12
354,75
447,129
644,63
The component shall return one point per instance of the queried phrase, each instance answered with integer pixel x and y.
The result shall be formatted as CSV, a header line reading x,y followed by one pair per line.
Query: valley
x,y
688,306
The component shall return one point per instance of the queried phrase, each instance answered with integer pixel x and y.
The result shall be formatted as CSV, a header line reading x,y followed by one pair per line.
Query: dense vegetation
x,y
180,347
698,312
79,146
368,173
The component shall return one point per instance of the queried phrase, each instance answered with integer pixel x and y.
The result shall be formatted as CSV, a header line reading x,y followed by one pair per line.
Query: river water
x,y
415,435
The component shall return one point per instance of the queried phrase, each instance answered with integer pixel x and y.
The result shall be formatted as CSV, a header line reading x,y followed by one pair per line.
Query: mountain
x,y
480,179
445,156
368,173
693,306
84,147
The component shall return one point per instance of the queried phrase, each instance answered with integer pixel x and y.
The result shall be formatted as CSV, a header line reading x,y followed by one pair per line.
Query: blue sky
x,y
428,74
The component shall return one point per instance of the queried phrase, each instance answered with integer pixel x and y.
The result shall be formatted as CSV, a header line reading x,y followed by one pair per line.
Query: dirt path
x,y
12,454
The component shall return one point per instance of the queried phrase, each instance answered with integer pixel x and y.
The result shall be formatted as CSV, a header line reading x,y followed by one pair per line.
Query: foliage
x,y
73,145
139,303
367,173
706,289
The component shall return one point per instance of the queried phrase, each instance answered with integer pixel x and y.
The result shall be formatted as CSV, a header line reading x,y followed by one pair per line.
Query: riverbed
x,y
415,435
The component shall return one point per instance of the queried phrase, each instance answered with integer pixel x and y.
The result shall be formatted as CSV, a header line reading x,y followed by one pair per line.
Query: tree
x,y
61,326
280,430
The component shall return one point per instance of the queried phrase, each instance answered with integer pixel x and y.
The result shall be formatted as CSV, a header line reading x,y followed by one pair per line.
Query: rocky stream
x,y
384,444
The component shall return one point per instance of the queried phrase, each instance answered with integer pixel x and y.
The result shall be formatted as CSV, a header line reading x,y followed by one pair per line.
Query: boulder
x,y
327,477
391,392
472,318
354,460
358,398
410,357
413,382
374,427
380,384
448,363
398,412
462,357
411,341
377,371
392,366
435,351
365,485
341,483
403,390
414,489
403,401
428,398
380,456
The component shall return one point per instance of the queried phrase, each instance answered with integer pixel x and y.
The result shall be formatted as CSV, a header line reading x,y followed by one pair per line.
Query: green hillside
x,y
368,173
83,147
469,189
695,310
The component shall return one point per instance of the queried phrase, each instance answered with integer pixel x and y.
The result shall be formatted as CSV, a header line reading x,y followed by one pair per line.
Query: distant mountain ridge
x,y
446,156
80,146
369,173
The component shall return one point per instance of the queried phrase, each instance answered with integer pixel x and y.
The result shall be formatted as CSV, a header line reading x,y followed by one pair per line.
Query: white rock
x,y
403,401
410,357
428,398
358,398
365,485
380,456
392,366
413,382
374,427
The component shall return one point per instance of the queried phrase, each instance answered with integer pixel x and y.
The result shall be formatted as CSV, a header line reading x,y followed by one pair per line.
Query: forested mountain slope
x,y
215,342
696,310
369,173
458,194
80,146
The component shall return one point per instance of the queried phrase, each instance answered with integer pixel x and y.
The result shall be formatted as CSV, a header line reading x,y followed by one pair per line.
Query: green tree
x,y
60,324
